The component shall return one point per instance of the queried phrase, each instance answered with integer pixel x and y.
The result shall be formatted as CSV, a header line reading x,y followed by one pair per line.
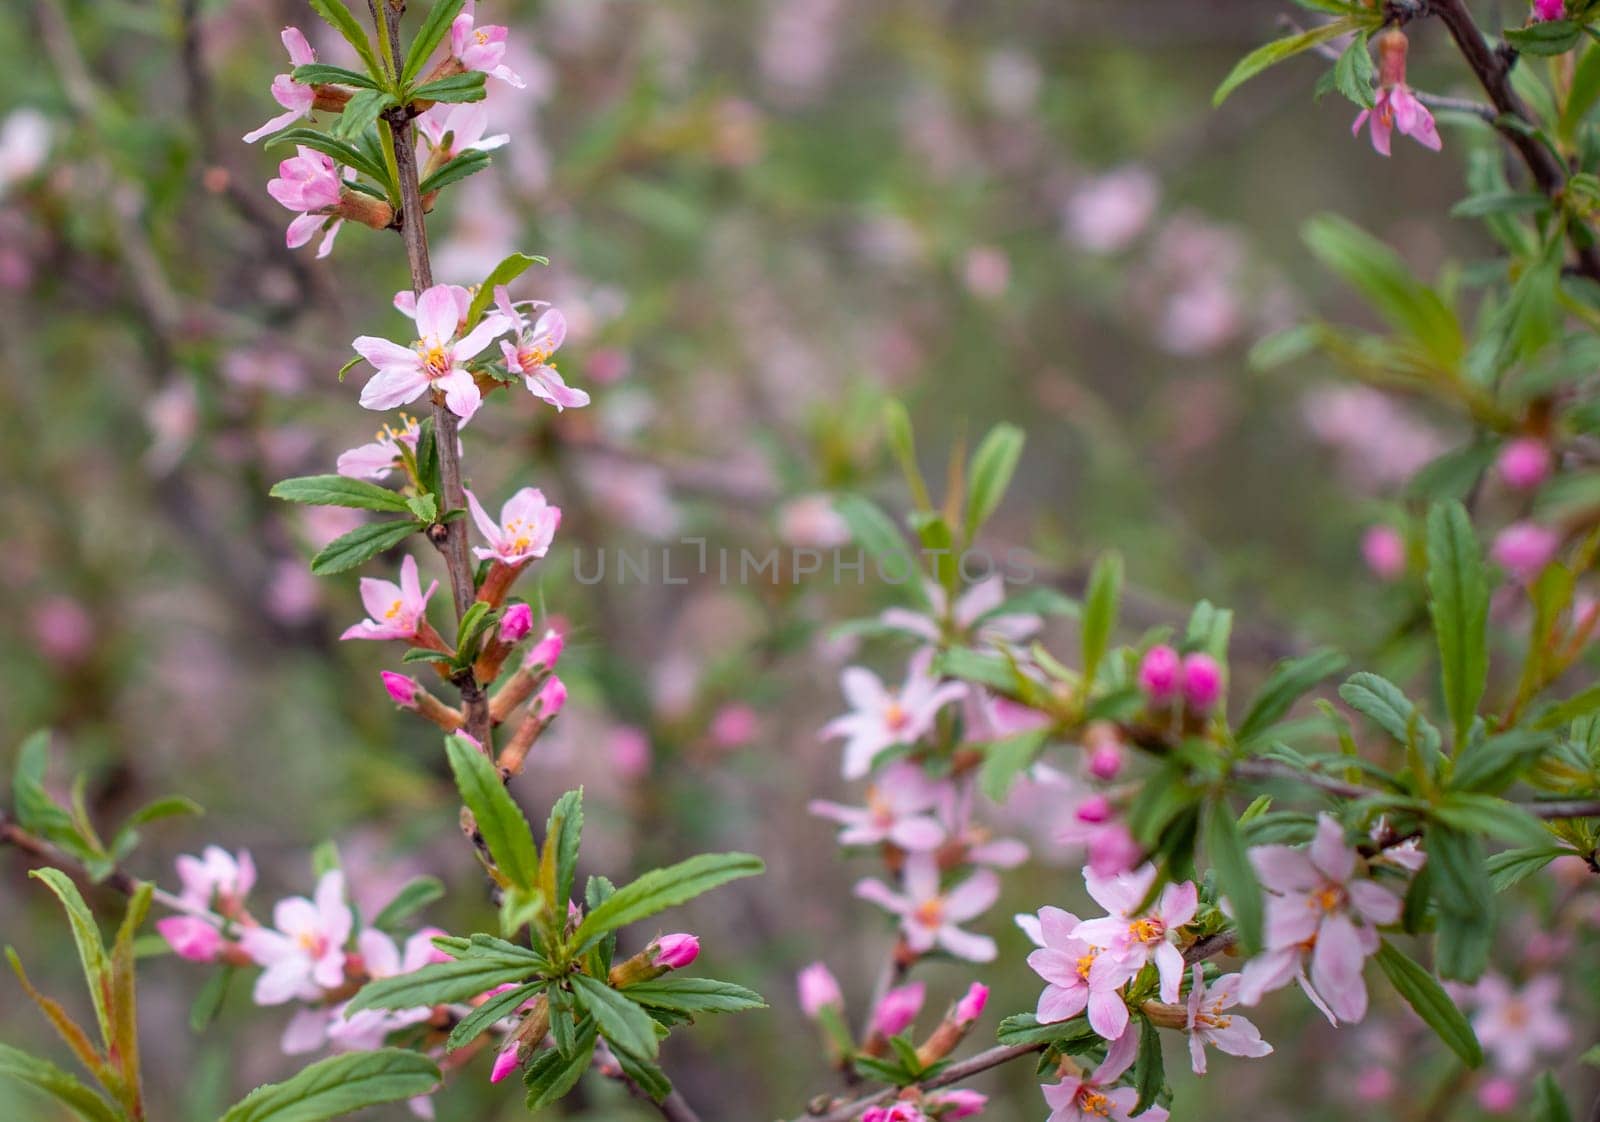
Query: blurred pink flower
x,y
1544,10
898,810
1202,681
899,1008
1107,213
303,951
481,48
630,752
451,130
1160,674
1384,551
734,726
24,146
1524,463
191,938
1516,1025
881,718
1523,549
63,629
986,272
297,98
812,522
1208,1023
929,915
818,990
216,880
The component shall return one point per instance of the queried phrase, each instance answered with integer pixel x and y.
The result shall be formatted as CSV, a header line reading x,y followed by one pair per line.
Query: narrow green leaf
x,y
509,269
1236,878
1149,1068
1549,1104
339,490
432,32
993,465
318,73
660,889
1458,587
64,1088
415,895
338,1086
1277,51
335,148
345,24
91,949
694,995
1005,759
1390,709
1289,681
1100,613
497,1008
359,545
468,163
500,820
457,87
621,1021
1423,993
443,983
552,1073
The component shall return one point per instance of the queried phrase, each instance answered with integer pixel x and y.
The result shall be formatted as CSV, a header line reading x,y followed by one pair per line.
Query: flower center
x,y
435,361
1328,898
531,358
930,913
1147,930
314,943
877,806
1086,963
895,716
1091,1101
395,610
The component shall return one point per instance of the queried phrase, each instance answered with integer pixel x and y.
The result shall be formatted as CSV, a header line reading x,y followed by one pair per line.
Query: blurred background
x,y
763,217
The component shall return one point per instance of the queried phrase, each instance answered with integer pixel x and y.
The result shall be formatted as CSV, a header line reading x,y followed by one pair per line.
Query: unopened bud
x,y
819,990
516,623
1159,674
1392,48
191,938
546,652
1524,463
898,1009
402,689
552,698
1202,681
674,952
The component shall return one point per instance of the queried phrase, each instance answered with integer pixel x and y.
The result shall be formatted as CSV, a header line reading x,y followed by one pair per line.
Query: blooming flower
x,y
481,48
882,718
377,459
818,990
929,915
899,1008
1096,1097
1078,976
1207,1022
216,879
527,525
394,611
1515,1025
295,97
530,355
1395,106
896,811
974,615
303,951
308,183
1317,907
451,130
437,360
1135,939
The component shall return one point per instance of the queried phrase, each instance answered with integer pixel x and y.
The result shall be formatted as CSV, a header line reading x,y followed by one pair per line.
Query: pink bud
x,y
1524,463
899,1008
1094,809
1498,1095
1384,551
676,951
402,689
516,623
1524,549
191,938
1202,681
630,752
1113,850
960,1104
818,990
552,696
505,1063
1158,674
1105,761
1545,10
734,726
547,651
970,1007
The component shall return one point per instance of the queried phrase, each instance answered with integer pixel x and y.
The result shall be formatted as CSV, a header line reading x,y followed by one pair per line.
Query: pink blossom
x,y
960,1103
547,651
1137,938
1318,908
435,361
674,952
986,272
303,951
1096,1097
1374,1084
1111,846
481,48
930,915
505,1062
1079,976
1524,463
1498,1094
451,130
63,629
308,183
1523,549
191,937
975,616
971,1005
402,690
818,990
630,752
897,811
551,698
881,718
216,879
516,623
1160,674
1384,551
295,97
1202,681
1207,1022
1516,1025
734,726
529,354
24,146
898,1111
810,520
394,611
527,525
899,1008
366,1029
384,454
1545,10
1105,214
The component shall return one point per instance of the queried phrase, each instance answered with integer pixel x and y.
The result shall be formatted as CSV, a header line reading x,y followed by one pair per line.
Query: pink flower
x,y
1107,213
1202,681
435,361
1384,551
1524,463
530,354
897,811
547,651
1078,975
734,726
1396,107
1207,1023
191,938
216,880
394,611
971,1005
366,1029
882,718
308,183
451,130
1105,751
1316,907
1160,674
630,752
1515,1025
674,952
929,916
975,616
898,1111
296,97
1545,10
303,951
551,698
481,48
1111,846
1096,1097
818,990
951,1105
899,1008
1498,1095
526,527
1135,939
383,455
1523,549
516,623
505,1062
402,690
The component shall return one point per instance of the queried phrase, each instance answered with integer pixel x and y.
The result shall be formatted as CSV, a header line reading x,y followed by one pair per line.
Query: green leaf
x,y
1277,51
1458,587
620,1020
1069,1036
43,1075
1149,1068
508,270
468,163
338,1086
875,532
993,465
345,24
551,1074
457,87
1288,682
694,995
444,983
1464,897
333,147
1550,37
1549,1104
558,863
1492,764
1352,74
1005,759
208,1002
432,32
1501,202
497,1008
123,1047
338,490
91,949
361,544
317,73
1582,94
1236,878
1383,702
500,820
36,811
415,895
1100,613
359,113
1512,866
660,889
1423,993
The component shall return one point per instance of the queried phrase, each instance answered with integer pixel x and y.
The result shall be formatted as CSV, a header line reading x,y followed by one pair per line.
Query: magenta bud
x,y
547,651
516,623
505,1063
1094,809
899,1008
970,1007
819,990
552,696
960,1103
402,689
676,951
1523,549
1384,551
1105,761
1159,673
191,938
1202,681
1113,850
1524,463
